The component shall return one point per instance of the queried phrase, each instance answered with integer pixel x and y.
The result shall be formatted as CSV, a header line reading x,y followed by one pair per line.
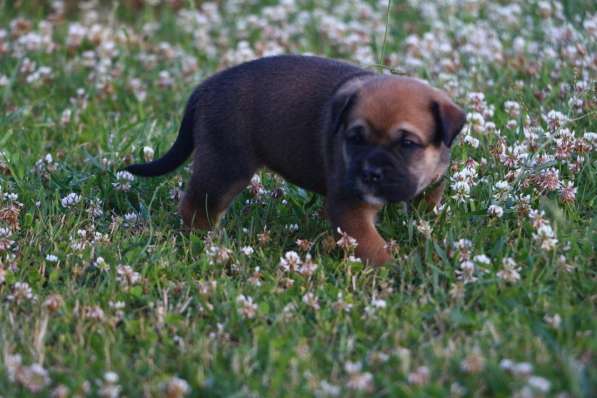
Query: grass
x,y
174,324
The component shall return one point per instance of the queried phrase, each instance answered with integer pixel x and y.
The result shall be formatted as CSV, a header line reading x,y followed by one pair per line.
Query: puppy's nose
x,y
372,174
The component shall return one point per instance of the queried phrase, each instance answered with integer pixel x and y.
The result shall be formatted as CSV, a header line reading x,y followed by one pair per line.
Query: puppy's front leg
x,y
358,221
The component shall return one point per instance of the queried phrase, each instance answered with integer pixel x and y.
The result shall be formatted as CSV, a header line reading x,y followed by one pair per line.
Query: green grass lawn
x,y
103,294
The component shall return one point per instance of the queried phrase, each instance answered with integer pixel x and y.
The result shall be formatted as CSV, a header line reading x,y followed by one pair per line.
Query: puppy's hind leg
x,y
211,188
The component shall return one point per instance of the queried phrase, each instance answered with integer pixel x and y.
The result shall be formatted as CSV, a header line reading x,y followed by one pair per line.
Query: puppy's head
x,y
395,135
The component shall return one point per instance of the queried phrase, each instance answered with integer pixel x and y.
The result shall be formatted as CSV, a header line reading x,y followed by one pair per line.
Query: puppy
x,y
359,138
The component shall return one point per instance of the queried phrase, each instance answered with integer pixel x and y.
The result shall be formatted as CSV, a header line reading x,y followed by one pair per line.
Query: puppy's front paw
x,y
358,221
376,256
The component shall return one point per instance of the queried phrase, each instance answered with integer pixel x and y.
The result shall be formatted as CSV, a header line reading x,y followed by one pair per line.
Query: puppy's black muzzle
x,y
377,166
371,174
383,174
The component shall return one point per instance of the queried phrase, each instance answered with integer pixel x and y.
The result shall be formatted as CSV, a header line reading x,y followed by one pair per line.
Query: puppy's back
x,y
279,99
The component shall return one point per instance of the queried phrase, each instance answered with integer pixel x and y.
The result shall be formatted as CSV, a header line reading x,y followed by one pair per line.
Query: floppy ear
x,y
340,107
449,118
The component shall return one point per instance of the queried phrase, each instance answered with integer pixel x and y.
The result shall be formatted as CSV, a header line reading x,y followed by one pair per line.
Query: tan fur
x,y
394,107
429,166
390,104
358,221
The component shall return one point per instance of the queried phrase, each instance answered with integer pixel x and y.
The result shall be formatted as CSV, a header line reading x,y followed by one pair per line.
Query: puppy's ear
x,y
449,118
340,106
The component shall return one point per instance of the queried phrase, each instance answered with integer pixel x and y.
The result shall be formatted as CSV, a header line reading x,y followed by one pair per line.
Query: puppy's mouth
x,y
378,179
381,192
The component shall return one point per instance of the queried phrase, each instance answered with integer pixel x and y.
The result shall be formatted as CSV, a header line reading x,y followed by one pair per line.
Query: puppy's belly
x,y
292,152
307,176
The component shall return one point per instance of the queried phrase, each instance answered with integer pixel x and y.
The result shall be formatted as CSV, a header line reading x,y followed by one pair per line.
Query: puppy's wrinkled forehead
x,y
391,105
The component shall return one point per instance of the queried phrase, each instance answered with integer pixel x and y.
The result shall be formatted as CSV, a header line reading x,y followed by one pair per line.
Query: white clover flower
x,y
101,264
576,104
461,191
591,138
116,305
292,227
111,377
555,120
70,200
545,9
537,217
545,236
473,363
127,276
76,34
291,261
472,141
148,153
490,127
463,244
568,192
466,272
109,387
424,228
522,369
549,179
328,389
51,258
502,188
308,267
506,364
510,271
311,300
360,381
482,259
65,117
34,377
130,219
246,307
512,108
539,383
218,254
247,250
12,365
21,292
45,166
165,80
476,98
176,388
123,181
95,208
378,303
140,92
352,367
511,124
495,211
256,179
420,376
553,320
346,242
476,121
341,305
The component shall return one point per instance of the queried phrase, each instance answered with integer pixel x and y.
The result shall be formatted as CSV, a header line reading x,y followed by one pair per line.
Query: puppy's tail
x,y
180,151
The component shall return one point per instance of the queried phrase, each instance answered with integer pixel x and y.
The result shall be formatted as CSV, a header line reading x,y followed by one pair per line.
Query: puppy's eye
x,y
356,135
410,144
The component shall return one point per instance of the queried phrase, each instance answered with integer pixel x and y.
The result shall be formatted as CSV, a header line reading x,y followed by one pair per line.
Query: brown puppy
x,y
357,137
